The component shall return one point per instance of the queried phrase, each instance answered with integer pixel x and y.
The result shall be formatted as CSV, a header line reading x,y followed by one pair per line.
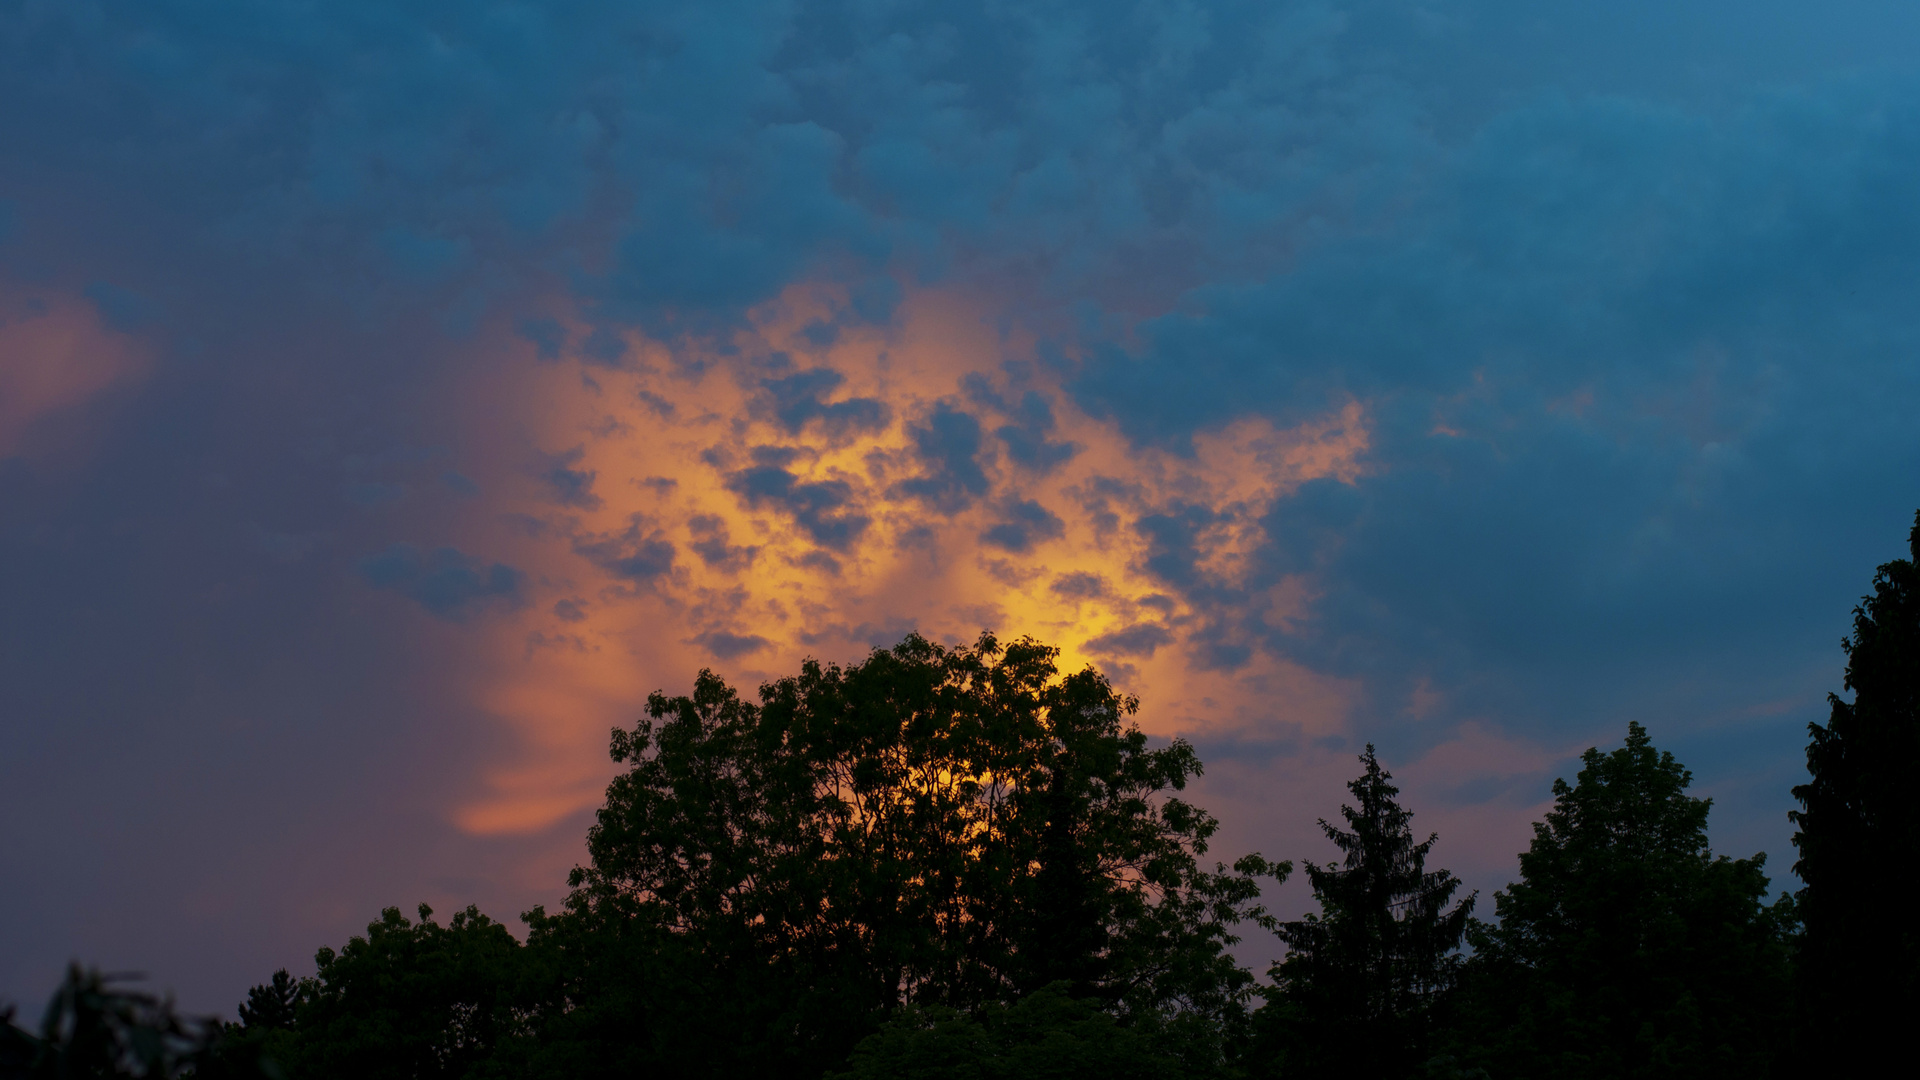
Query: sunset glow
x,y
791,499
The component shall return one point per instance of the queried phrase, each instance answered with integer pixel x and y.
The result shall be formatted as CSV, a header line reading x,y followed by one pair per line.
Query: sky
x,y
393,394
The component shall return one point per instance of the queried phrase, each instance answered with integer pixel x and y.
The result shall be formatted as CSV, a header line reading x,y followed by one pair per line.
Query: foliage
x,y
407,1001
1859,835
955,862
1626,949
1357,992
932,826
1046,1034
93,1028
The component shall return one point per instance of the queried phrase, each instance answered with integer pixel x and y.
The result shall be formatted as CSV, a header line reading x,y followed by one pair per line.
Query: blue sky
x,y
392,394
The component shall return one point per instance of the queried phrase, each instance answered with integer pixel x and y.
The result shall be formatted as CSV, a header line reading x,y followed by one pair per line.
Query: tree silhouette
x,y
95,1027
1859,836
1626,949
274,1003
408,1001
1356,994
930,826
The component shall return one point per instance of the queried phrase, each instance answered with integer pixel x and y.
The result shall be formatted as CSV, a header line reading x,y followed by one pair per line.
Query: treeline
x,y
955,863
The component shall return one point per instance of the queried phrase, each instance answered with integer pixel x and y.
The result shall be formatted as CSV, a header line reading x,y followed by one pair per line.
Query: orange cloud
x,y
806,492
55,355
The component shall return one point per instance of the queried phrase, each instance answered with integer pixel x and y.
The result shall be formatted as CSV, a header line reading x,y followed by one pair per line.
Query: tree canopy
x,y
1627,949
1859,836
949,826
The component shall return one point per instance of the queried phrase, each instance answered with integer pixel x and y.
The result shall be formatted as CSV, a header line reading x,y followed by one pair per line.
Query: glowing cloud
x,y
793,491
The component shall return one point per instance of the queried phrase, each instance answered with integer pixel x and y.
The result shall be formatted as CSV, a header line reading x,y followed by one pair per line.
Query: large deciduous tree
x,y
1356,994
1627,949
932,826
1859,838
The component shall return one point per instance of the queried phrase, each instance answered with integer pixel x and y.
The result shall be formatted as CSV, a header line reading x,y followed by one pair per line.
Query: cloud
x,y
1608,335
947,443
1026,439
548,336
711,544
797,403
571,486
732,646
1023,524
57,359
1079,585
122,309
1139,640
821,508
447,582
636,554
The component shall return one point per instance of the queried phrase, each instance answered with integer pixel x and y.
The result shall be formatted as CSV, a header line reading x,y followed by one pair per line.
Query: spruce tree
x,y
1358,990
1859,836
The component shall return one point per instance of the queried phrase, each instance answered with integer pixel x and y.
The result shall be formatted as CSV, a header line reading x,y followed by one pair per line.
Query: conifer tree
x,y
1357,992
1859,836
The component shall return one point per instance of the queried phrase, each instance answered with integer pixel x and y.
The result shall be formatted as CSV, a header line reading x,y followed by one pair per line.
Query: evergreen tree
x,y
1357,993
273,1004
1859,837
1626,949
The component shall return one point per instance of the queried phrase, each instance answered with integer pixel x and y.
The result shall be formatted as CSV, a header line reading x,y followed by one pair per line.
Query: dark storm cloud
x,y
447,582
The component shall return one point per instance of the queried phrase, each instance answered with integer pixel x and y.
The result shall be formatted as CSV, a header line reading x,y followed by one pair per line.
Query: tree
x,y
1627,949
273,1005
1859,836
408,1001
933,826
95,1028
265,1035
1357,992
